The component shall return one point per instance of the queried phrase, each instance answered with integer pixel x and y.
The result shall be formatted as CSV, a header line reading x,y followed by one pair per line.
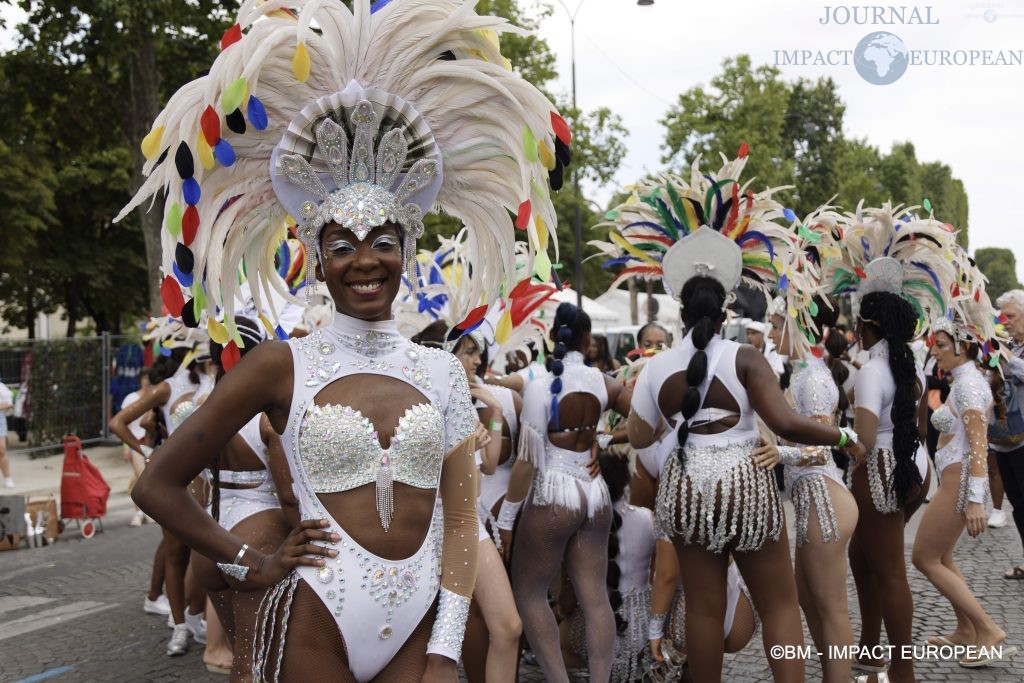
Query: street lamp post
x,y
577,227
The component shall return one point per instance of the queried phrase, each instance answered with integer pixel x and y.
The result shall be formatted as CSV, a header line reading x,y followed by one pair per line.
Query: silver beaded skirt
x,y
719,499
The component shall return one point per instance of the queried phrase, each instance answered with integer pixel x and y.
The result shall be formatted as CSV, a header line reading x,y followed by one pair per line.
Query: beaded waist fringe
x,y
687,505
880,483
808,490
570,489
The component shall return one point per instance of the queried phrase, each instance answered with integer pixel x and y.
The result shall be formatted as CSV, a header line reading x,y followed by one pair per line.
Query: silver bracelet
x,y
449,625
235,569
507,515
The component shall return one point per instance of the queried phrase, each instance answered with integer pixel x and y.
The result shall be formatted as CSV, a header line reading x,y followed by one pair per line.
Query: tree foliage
x,y
1000,267
795,134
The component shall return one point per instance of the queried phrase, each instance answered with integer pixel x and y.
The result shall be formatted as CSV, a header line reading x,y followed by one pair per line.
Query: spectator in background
x,y
137,461
6,403
600,357
653,337
1007,441
756,338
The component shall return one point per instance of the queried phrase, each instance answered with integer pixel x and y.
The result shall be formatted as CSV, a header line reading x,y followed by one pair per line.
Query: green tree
x,y
1000,267
857,172
741,104
97,73
947,197
813,133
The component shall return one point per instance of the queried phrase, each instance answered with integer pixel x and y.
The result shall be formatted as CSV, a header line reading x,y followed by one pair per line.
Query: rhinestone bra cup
x,y
340,450
942,419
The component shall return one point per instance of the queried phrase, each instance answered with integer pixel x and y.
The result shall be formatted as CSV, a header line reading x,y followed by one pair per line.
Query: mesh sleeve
x,y
533,422
458,497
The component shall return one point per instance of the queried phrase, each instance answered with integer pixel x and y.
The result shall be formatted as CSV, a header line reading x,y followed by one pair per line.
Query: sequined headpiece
x,y
672,229
382,112
320,177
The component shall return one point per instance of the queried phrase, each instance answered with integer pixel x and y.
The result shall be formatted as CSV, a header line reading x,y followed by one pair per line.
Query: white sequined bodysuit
x,y
175,409
560,475
377,603
968,392
815,395
242,503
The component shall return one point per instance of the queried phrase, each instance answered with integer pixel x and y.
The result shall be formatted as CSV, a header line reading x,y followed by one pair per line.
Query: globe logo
x,y
880,58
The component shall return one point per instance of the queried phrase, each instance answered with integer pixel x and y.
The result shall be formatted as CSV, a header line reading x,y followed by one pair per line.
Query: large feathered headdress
x,y
816,238
890,249
712,225
971,317
381,113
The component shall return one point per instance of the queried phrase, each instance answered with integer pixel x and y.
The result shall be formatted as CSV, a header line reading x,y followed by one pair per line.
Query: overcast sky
x,y
636,60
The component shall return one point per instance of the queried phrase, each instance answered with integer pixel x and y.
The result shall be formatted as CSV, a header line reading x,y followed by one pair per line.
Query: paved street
x,y
73,612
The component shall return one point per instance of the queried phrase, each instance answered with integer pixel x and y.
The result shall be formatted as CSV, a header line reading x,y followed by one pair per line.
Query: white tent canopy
x,y
618,300
600,316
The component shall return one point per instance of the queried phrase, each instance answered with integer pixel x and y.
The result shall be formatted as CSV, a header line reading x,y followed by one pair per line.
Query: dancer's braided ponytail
x,y
703,299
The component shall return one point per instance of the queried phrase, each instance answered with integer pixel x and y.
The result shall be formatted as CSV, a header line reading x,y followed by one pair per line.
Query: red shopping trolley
x,y
83,491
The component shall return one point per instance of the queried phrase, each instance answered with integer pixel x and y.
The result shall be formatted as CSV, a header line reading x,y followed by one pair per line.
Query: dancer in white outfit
x,y
568,514
709,236
898,268
960,341
355,123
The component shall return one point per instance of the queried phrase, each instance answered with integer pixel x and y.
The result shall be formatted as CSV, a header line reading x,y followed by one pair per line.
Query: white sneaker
x,y
170,620
137,519
197,626
8,483
997,520
178,643
158,606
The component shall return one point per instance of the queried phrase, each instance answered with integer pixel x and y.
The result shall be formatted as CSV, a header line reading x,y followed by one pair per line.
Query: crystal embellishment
x,y
366,196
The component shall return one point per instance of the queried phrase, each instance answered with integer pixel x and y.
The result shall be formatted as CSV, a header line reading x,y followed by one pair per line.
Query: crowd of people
x,y
450,467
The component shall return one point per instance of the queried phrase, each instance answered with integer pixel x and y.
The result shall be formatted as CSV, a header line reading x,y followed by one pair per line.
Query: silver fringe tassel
x,y
631,646
811,490
385,494
686,505
266,625
882,493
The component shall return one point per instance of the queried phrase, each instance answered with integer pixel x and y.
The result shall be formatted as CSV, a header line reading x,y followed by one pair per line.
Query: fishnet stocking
x,y
544,536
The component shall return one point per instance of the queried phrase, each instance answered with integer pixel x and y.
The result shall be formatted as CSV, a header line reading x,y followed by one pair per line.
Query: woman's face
x,y
944,353
779,337
654,338
593,349
363,276
468,354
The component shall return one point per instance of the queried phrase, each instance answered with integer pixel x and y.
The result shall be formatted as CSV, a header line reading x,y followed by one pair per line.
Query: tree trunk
x,y
71,306
30,310
145,105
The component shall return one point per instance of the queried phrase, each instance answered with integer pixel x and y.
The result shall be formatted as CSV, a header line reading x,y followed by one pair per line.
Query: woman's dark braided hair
x,y
615,471
703,300
893,319
249,331
569,328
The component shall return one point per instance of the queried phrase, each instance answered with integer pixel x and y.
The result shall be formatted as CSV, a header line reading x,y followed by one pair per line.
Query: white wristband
x,y
147,451
507,515
977,489
656,627
449,625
